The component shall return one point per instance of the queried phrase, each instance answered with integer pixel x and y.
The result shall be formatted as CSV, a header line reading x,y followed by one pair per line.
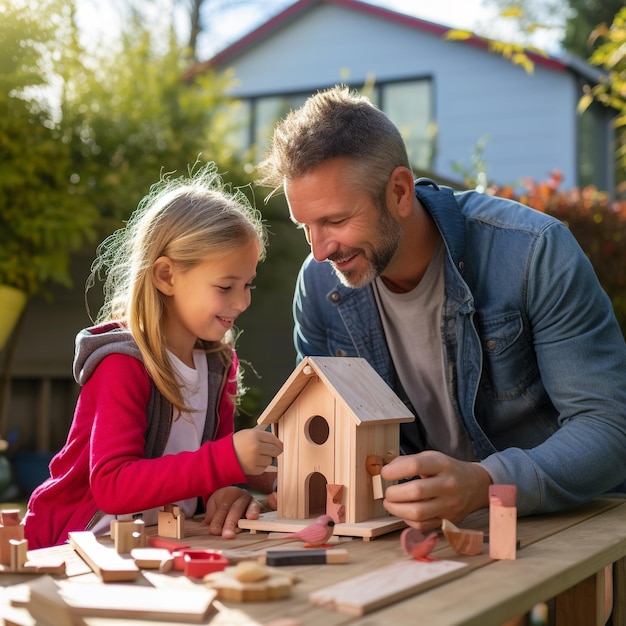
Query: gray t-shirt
x,y
412,325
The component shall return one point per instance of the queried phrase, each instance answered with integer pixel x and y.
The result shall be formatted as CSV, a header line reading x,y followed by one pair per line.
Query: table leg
x,y
619,592
582,604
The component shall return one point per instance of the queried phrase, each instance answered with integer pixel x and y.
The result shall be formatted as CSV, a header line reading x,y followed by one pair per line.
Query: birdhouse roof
x,y
352,381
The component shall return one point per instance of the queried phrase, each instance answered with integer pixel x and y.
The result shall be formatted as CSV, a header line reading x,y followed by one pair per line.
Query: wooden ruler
x,y
378,588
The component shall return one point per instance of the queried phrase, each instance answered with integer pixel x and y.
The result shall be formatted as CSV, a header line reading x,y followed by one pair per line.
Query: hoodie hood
x,y
96,342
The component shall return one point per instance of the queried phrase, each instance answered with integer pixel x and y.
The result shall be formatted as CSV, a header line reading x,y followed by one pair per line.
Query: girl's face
x,y
204,301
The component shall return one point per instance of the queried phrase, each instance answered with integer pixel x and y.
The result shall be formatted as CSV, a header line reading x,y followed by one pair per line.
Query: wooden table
x,y
561,556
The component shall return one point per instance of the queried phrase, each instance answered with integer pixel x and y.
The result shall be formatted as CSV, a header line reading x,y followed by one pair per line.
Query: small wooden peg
x,y
374,463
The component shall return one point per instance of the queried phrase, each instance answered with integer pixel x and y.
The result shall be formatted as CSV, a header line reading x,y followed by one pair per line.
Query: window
x,y
408,103
593,160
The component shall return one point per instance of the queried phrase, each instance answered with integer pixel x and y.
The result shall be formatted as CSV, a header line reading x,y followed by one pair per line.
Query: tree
x,y
43,216
572,20
128,113
586,15
610,55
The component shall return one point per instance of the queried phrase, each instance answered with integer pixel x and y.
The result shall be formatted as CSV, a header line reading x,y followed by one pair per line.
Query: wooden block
x,y
124,601
229,587
18,553
153,558
334,503
199,563
307,556
10,528
463,541
105,562
128,534
377,487
171,522
378,588
502,522
20,565
167,544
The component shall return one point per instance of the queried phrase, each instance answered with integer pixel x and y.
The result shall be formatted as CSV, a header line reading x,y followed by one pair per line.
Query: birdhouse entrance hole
x,y
317,430
316,491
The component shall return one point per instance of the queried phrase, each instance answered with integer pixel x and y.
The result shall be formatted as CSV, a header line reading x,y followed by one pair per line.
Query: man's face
x,y
342,224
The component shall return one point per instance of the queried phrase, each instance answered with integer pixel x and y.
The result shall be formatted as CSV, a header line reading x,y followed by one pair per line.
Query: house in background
x,y
447,97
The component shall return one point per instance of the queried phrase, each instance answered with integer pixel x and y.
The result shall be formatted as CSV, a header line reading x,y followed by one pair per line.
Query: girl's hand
x,y
225,507
255,449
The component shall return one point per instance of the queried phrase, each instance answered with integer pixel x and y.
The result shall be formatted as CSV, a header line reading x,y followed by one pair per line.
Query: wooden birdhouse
x,y
331,414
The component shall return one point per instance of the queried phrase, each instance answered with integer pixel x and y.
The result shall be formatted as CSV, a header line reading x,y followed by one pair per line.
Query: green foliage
x,y
597,223
516,53
42,214
129,113
585,17
610,55
84,135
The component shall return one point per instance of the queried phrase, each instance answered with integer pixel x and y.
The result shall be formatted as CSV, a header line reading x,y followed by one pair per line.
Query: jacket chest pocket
x,y
509,364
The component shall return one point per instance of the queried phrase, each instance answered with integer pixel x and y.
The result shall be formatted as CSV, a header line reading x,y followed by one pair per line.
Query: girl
x,y
154,421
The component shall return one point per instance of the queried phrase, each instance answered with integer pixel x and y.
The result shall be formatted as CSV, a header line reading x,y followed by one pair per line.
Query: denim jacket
x,y
536,361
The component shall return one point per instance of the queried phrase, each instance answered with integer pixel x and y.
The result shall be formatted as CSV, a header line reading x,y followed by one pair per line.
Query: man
x,y
484,315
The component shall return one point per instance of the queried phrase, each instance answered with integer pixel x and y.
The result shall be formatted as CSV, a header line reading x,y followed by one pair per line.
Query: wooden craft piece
x,y
316,533
105,562
10,528
171,522
374,464
167,544
128,534
334,503
383,586
121,601
18,563
367,530
277,558
153,558
260,583
18,553
418,545
199,563
502,521
463,541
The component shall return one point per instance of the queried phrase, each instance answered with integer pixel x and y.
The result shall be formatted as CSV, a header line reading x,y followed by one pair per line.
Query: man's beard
x,y
378,256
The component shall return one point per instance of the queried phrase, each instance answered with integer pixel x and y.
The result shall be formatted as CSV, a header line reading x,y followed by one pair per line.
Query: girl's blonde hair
x,y
188,219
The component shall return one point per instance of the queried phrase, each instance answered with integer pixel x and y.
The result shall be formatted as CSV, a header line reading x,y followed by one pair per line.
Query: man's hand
x,y
226,507
447,489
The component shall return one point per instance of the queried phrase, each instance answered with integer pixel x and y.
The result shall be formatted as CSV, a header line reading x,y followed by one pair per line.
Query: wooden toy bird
x,y
315,534
418,545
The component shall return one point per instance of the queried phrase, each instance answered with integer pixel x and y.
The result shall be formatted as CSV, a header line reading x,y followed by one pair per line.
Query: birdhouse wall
x,y
376,439
308,431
